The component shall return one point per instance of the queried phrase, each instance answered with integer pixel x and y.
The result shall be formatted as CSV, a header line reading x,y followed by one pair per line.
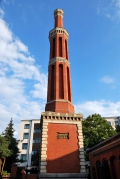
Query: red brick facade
x,y
59,97
13,171
62,154
62,150
105,159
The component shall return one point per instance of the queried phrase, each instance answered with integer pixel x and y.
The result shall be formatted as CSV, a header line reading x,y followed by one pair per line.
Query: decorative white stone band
x,y
59,118
59,59
43,162
58,30
81,149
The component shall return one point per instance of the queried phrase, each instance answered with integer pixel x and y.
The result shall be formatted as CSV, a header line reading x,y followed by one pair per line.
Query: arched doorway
x,y
98,164
119,165
103,171
94,173
106,169
114,166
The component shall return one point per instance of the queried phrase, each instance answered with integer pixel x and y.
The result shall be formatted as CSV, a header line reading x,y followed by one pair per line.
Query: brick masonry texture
x,y
62,154
108,150
59,96
62,107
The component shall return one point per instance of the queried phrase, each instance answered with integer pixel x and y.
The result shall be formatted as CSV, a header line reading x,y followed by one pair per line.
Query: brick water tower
x,y
62,151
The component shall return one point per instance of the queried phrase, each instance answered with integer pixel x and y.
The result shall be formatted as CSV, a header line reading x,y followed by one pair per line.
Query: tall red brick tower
x,y
62,151
59,97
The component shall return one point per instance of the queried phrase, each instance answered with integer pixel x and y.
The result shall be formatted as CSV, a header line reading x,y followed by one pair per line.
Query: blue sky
x,y
94,50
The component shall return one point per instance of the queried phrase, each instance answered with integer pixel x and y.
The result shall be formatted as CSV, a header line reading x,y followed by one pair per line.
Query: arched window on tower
x,y
61,87
53,49
68,84
66,51
60,46
52,81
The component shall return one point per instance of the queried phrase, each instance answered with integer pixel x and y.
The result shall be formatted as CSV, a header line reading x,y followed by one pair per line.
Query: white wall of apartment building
x,y
113,121
26,140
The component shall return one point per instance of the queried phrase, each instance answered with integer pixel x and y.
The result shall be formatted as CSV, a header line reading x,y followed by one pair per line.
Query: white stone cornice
x,y
58,30
53,117
59,59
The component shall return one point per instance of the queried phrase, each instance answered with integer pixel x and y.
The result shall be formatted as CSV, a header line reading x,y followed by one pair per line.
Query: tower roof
x,y
58,12
58,15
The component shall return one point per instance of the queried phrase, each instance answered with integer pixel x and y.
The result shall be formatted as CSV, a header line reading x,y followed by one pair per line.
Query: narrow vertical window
x,y
68,84
53,50
66,51
51,55
52,82
61,87
60,46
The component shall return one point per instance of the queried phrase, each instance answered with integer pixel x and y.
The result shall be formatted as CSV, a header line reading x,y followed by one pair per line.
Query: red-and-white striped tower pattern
x,y
59,95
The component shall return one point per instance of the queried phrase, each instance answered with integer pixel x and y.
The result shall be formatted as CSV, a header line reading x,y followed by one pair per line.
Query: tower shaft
x,y
59,95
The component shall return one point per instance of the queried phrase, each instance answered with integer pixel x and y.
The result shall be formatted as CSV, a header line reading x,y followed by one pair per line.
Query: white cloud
x,y
10,88
107,80
108,15
40,91
5,34
102,107
117,4
19,75
21,46
109,9
1,13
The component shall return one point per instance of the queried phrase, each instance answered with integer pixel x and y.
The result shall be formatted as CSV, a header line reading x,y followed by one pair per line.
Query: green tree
x,y
95,130
4,152
8,134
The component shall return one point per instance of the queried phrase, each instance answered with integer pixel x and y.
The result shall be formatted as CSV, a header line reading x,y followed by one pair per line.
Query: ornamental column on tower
x,y
59,95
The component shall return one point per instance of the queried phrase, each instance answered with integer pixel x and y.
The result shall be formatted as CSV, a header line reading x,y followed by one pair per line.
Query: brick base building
x,y
105,159
62,144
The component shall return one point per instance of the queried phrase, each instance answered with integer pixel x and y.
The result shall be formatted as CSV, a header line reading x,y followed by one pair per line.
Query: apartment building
x,y
29,142
113,121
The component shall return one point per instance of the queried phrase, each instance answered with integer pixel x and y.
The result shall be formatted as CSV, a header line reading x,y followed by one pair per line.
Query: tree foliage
x,y
8,134
4,152
95,130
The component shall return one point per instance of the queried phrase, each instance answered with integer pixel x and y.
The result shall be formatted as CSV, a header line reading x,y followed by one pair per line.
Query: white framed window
x,y
24,157
24,146
26,126
116,123
25,135
109,123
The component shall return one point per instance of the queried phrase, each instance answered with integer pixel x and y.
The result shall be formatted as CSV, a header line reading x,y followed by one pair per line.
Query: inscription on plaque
x,y
62,135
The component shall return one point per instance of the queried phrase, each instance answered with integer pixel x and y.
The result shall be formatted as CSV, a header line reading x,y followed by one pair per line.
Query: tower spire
x,y
58,15
59,96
